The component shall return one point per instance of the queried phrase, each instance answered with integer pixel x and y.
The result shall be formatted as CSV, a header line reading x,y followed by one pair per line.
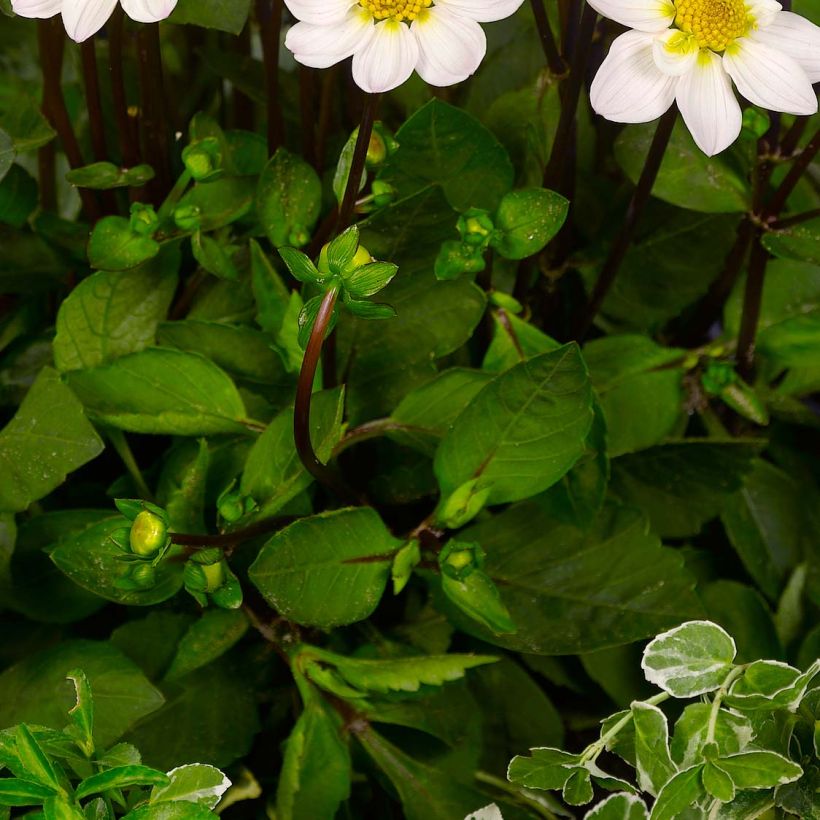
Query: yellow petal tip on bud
x,y
148,534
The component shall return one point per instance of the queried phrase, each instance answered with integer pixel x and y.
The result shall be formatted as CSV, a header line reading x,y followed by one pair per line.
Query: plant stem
x,y
371,104
548,44
156,132
330,83
174,195
128,145
805,216
51,41
304,394
711,727
640,197
120,444
270,20
553,173
47,176
788,145
93,101
243,109
230,539
307,89
799,167
752,300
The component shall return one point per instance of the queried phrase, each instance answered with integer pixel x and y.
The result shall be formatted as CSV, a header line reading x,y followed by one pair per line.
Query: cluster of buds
x,y
476,229
144,544
208,578
233,504
346,266
720,379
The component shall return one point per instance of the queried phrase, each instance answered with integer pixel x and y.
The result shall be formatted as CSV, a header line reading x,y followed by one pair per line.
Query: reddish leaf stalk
x,y
125,123
548,44
640,197
269,15
752,300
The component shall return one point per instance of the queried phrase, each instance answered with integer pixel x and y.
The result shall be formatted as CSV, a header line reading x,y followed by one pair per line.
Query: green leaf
x,y
443,145
160,390
687,177
678,794
18,197
426,792
182,485
800,242
363,309
82,713
207,639
654,763
717,782
241,351
121,777
17,792
766,524
170,811
317,770
194,783
478,597
300,266
7,153
578,790
544,768
34,760
406,674
327,570
272,297
691,659
622,806
274,473
109,315
35,689
214,257
514,340
48,437
288,199
92,560
214,715
58,808
571,589
760,770
527,220
733,733
220,203
105,176
683,484
222,15
114,246
523,431
25,123
427,413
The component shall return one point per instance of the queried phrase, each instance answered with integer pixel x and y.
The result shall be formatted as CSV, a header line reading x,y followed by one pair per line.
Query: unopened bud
x,y
144,576
203,159
148,534
298,237
383,193
188,218
214,576
144,220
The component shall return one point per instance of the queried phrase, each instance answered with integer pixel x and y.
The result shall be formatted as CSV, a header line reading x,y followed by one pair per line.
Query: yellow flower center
x,y
713,23
396,9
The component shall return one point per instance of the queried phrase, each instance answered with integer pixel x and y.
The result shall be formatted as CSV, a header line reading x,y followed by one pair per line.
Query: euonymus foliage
x,y
357,468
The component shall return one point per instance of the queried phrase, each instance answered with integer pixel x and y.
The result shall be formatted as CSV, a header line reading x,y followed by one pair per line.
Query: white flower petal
x,y
324,46
762,12
388,59
629,87
768,77
148,11
675,52
84,18
320,12
482,11
643,15
798,37
708,104
451,47
36,8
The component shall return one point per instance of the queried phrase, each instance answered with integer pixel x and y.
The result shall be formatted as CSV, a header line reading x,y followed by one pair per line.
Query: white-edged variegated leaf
x,y
690,659
760,770
194,783
491,812
771,685
733,733
654,762
621,806
684,789
545,768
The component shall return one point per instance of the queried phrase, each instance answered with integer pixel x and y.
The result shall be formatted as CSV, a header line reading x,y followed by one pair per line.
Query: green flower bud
x,y
383,193
232,507
376,150
194,577
203,159
298,237
148,534
717,377
459,559
144,576
188,218
475,226
214,576
144,219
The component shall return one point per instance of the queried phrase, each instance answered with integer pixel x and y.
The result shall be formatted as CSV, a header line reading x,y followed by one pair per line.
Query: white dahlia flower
x,y
389,39
84,18
690,52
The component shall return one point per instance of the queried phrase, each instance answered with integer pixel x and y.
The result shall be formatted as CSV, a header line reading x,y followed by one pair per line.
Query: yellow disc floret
x,y
713,23
396,9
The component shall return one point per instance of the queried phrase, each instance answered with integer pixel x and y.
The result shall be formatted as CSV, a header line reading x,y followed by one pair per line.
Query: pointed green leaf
x,y
193,783
527,220
17,792
114,246
121,777
82,713
717,782
34,760
678,794
619,807
544,768
654,763
760,770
